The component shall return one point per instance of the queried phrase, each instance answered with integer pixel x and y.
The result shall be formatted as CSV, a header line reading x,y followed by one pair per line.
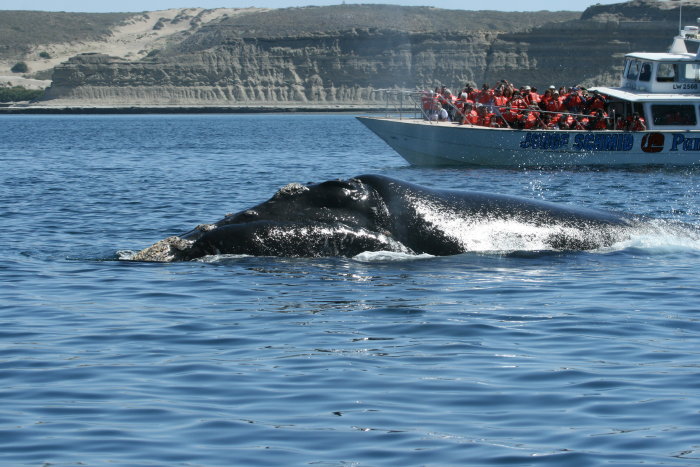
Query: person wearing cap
x,y
531,95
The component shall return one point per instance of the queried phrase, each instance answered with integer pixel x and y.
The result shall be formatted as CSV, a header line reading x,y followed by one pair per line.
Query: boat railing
x,y
401,103
424,105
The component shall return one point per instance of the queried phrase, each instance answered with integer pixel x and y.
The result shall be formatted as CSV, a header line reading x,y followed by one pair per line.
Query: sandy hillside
x,y
141,34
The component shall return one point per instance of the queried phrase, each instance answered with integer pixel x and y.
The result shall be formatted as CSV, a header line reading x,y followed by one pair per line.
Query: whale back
x,y
444,222
374,212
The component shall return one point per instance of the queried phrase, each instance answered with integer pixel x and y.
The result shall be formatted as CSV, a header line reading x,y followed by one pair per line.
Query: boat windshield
x,y
632,69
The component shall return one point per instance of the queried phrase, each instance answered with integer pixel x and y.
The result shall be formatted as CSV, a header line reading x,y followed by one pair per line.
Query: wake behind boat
x,y
650,119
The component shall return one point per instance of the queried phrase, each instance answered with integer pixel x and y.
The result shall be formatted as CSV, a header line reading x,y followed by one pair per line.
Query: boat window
x,y
645,73
627,67
633,70
675,115
666,72
691,72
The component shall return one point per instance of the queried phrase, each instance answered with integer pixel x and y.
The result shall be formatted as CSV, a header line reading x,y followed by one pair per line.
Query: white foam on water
x,y
125,255
659,237
219,258
388,256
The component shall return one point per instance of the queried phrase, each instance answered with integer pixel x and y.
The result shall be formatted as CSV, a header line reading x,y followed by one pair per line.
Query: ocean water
x,y
488,358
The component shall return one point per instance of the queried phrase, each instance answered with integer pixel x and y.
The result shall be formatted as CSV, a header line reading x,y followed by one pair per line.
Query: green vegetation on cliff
x,y
18,94
20,30
309,20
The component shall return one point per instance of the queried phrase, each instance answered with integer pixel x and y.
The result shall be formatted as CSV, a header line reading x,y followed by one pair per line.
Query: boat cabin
x,y
662,87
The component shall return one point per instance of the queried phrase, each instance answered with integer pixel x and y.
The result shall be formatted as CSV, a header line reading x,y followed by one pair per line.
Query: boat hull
x,y
430,143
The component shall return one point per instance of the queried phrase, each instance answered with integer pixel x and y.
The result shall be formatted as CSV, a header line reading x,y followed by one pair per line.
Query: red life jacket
x,y
471,117
518,103
573,101
552,105
484,97
500,100
485,120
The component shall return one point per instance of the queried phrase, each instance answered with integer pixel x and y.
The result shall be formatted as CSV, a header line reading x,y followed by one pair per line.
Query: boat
x,y
662,88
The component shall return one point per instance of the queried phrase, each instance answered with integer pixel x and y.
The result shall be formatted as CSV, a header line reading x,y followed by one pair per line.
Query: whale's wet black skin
x,y
378,213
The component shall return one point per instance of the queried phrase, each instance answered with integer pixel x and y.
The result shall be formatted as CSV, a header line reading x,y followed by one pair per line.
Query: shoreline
x,y
186,109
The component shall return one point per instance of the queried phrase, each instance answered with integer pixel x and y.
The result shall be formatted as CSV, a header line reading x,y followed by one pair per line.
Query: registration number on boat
x,y
686,86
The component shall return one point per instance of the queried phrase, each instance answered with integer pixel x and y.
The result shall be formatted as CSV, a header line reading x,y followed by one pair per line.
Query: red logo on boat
x,y
653,142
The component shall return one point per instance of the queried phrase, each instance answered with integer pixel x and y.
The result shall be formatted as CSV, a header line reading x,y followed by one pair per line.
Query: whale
x,y
380,213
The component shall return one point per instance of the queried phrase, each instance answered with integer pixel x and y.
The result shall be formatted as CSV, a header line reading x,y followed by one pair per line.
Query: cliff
x,y
342,54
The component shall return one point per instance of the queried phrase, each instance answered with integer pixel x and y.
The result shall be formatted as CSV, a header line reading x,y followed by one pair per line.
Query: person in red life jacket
x,y
518,101
470,115
567,122
550,121
428,103
459,104
498,98
636,123
485,95
620,123
528,119
513,108
574,101
508,91
530,95
580,123
596,102
484,117
554,104
471,92
599,121
546,97
552,89
441,96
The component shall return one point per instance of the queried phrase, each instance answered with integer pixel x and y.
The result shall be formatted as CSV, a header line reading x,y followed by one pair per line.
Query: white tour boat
x,y
661,87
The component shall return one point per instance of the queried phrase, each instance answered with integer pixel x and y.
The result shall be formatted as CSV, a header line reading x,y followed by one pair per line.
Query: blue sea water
x,y
488,358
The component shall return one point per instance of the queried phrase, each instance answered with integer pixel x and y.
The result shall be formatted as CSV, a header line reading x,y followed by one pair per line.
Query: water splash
x,y
388,256
659,236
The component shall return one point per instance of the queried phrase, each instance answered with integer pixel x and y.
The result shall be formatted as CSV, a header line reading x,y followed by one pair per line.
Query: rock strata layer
x,y
225,63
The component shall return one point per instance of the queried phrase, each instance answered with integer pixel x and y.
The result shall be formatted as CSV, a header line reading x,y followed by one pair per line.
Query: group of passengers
x,y
505,106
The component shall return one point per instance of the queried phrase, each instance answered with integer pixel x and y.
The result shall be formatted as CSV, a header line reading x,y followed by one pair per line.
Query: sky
x,y
103,6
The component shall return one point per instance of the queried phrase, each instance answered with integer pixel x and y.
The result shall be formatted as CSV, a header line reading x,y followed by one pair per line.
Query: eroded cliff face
x,y
222,66
344,68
